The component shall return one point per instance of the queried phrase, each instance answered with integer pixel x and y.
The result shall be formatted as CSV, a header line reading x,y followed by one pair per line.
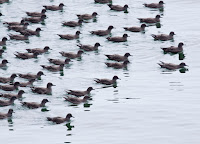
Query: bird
x,y
174,49
107,81
118,7
34,105
3,1
87,16
41,90
10,87
31,76
6,115
80,93
59,120
36,14
3,41
89,47
18,28
30,32
26,55
53,68
171,66
103,1
72,55
9,95
118,58
73,23
118,65
102,32
75,100
8,79
163,37
22,22
25,84
35,19
18,37
54,7
1,52
69,36
3,63
7,103
150,20
59,62
136,29
155,5
118,39
39,50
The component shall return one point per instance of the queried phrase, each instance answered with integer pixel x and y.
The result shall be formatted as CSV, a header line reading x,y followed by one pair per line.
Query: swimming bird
x,y
34,105
103,1
31,76
9,95
3,63
59,120
73,23
18,37
69,36
174,49
39,50
155,5
36,14
118,39
171,66
150,20
10,87
54,7
102,32
118,58
118,7
107,81
80,93
3,1
8,79
18,28
72,55
1,52
118,65
6,115
25,84
30,32
26,55
89,47
22,22
7,103
163,37
41,90
87,16
76,100
35,19
59,62
136,29
3,42
53,68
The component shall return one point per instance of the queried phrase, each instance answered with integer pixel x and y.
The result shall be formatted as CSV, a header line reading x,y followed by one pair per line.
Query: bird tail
x,y
125,28
154,36
29,50
49,119
109,5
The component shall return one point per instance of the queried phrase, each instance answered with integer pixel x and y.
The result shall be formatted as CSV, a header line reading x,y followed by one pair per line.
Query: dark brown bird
x,y
34,105
53,68
35,19
150,20
118,7
73,23
118,65
39,50
3,42
80,93
87,16
18,28
54,7
103,1
171,66
30,32
136,29
31,76
26,55
59,62
107,81
36,14
8,79
76,100
14,23
59,120
69,36
155,5
41,90
6,115
7,103
118,58
72,55
118,39
18,37
25,84
164,37
9,95
89,47
174,49
102,32
3,63
10,87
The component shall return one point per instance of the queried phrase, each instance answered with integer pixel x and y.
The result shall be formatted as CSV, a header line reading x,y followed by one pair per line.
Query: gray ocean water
x,y
149,105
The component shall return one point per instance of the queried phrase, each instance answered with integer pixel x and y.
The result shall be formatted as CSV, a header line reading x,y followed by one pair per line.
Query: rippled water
x,y
150,105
